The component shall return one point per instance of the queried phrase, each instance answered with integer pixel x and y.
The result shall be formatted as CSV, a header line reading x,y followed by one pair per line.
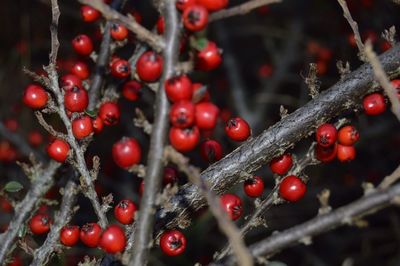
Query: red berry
x,y
137,16
82,127
120,69
35,97
182,114
211,151
254,187
184,140
124,212
348,135
11,124
183,4
58,150
160,25
89,14
170,175
292,188
81,70
149,66
90,234
172,242
346,153
374,104
179,88
15,261
209,57
113,239
82,44
40,224
131,90
97,125
70,81
200,93
326,154
195,17
109,112
206,115
76,99
326,135
237,129
118,32
69,235
281,164
232,205
126,152
396,86
213,5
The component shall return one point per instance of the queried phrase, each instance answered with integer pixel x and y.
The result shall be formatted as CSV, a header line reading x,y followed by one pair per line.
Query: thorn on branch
x,y
343,68
390,35
312,81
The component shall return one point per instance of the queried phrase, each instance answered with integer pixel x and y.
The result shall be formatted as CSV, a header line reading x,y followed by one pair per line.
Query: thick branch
x,y
224,174
43,254
42,181
145,222
241,9
141,33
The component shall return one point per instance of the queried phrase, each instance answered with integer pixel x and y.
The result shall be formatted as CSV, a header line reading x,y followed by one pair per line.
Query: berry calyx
x,y
237,129
195,17
172,242
326,135
124,211
232,205
254,187
120,69
182,114
211,151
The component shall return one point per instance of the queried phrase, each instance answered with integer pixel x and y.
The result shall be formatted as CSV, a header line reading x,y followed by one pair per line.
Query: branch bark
x,y
143,231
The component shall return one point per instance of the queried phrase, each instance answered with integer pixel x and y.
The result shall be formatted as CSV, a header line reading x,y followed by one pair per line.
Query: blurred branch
x,y
43,254
145,223
144,35
240,9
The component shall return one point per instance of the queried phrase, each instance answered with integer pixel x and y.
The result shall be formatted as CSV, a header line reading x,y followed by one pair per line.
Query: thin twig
x,y
142,34
241,9
42,255
383,79
390,179
158,137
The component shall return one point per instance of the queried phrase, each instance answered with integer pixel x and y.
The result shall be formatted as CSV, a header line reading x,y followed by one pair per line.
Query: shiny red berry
x,y
206,115
181,114
126,152
58,150
69,81
35,138
211,151
170,175
89,14
232,205
110,113
281,165
69,235
348,135
172,242
97,125
346,153
81,70
149,66
326,135
124,212
179,88
131,90
40,224
160,25
183,4
195,17
292,188
237,129
82,45
120,69
209,57
76,99
82,127
90,234
213,5
118,32
113,239
185,139
374,104
35,97
325,154
254,187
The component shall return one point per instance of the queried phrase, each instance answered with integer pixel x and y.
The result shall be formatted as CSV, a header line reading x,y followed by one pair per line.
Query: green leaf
x,y
200,43
91,113
13,186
